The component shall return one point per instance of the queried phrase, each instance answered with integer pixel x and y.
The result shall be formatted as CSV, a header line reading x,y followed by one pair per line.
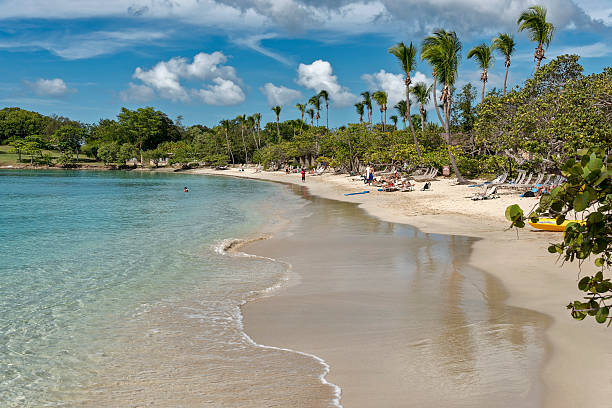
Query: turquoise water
x,y
95,265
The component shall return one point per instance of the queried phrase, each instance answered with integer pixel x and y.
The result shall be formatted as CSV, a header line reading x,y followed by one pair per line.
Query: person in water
x,y
186,189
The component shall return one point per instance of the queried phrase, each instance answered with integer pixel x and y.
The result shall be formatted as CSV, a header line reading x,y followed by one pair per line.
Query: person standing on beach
x,y
303,175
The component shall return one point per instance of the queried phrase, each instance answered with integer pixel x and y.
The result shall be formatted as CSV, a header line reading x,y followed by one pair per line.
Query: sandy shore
x,y
577,351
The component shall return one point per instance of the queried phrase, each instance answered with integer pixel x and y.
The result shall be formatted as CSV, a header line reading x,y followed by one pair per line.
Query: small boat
x,y
361,192
550,224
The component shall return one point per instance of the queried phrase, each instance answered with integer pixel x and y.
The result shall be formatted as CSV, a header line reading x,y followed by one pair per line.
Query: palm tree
x,y
359,108
381,99
485,60
277,110
242,121
506,45
301,108
402,108
250,124
226,126
540,31
442,50
316,103
407,59
323,94
257,118
421,93
367,102
394,120
311,113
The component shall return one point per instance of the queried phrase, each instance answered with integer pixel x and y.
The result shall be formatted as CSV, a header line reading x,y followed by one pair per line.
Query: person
x,y
186,189
303,175
371,176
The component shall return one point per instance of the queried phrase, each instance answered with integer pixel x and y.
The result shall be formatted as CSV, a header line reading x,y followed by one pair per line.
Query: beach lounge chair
x,y
430,175
519,177
487,195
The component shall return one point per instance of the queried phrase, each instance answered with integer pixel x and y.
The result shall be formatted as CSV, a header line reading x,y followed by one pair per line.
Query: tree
x,y
588,195
302,108
367,102
505,44
242,121
19,123
421,93
407,59
316,103
442,51
463,111
277,111
250,124
226,127
485,59
311,113
359,109
257,119
69,138
381,99
540,31
402,108
394,120
323,94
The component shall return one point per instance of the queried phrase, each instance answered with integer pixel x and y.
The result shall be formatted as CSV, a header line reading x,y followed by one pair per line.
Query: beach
x,y
363,351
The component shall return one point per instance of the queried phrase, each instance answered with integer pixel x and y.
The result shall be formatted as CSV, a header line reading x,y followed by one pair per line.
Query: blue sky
x,y
212,59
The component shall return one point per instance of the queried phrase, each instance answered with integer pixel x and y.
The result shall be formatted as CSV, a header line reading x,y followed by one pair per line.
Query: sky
x,y
208,60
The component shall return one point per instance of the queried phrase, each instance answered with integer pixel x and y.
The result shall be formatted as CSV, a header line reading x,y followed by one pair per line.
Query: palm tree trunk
x,y
246,155
460,178
278,131
258,136
422,112
381,119
436,100
404,121
416,142
327,114
302,124
483,90
385,121
229,149
506,77
539,56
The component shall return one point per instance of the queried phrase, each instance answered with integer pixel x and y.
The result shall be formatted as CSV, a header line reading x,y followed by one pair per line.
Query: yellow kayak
x,y
550,224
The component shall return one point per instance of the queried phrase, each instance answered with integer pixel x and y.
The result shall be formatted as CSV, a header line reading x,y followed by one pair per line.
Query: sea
x,y
116,283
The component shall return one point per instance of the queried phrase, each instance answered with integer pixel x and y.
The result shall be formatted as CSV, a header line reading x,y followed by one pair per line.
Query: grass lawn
x,y
8,158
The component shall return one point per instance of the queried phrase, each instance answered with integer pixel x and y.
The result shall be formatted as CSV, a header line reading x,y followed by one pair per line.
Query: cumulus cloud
x,y
137,93
221,86
280,95
392,84
318,76
49,87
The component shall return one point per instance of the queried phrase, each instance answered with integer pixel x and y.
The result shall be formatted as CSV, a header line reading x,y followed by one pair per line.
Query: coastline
x,y
576,349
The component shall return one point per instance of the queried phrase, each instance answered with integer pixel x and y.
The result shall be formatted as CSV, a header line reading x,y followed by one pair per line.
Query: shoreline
x,y
527,287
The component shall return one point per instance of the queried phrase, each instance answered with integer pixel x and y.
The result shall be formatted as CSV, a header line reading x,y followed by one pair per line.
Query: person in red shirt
x,y
303,175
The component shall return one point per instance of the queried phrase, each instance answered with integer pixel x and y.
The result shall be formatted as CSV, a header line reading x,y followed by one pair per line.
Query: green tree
x,y
394,119
463,111
18,123
442,51
302,108
421,93
242,120
359,109
311,113
226,124
315,101
587,194
277,111
407,59
485,59
402,108
381,99
504,43
69,139
540,31
323,94
367,102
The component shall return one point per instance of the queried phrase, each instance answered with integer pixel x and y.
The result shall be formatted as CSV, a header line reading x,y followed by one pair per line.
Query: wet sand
x,y
370,341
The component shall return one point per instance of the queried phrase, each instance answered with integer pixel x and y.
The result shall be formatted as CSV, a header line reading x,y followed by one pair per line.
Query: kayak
x,y
361,192
550,224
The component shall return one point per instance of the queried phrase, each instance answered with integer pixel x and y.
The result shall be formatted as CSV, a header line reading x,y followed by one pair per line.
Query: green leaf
x,y
584,283
599,262
602,314
581,201
514,212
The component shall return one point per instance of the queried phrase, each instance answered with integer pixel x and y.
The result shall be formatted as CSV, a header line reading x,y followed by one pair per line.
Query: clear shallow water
x,y
111,279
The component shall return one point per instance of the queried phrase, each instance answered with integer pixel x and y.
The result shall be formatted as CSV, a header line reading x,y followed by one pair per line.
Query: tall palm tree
x,y
301,108
311,113
367,102
443,50
242,121
421,93
359,108
250,124
226,126
277,110
257,118
381,99
323,94
407,59
394,120
540,31
485,59
505,44
316,103
402,108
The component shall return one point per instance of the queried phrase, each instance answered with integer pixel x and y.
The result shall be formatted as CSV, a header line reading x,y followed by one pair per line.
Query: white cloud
x,y
49,87
137,93
392,84
254,42
318,76
221,85
596,50
280,95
